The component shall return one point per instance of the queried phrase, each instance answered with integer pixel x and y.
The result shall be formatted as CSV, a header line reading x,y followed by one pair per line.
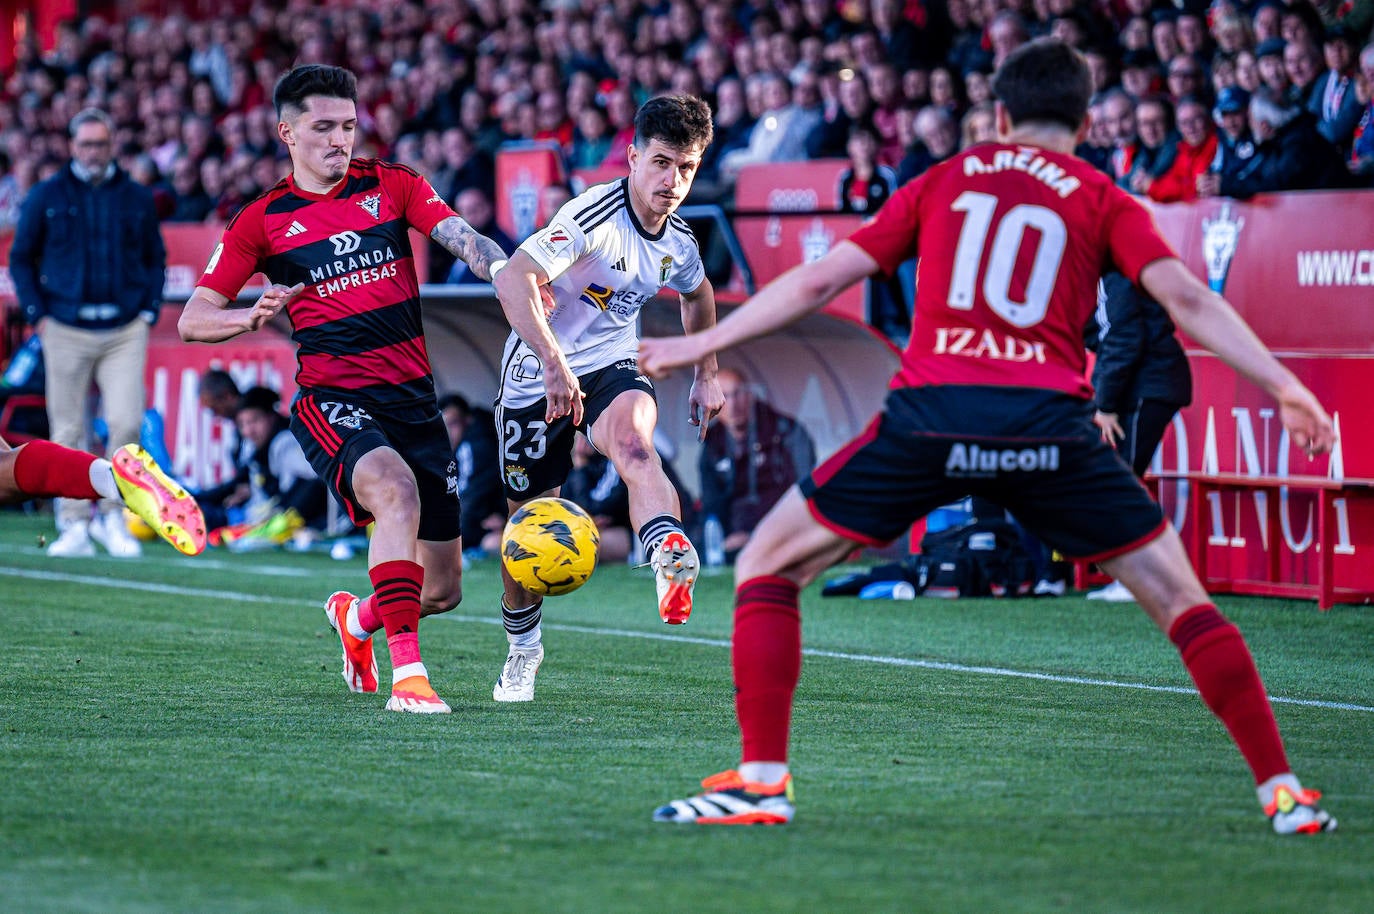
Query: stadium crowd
x,y
1233,98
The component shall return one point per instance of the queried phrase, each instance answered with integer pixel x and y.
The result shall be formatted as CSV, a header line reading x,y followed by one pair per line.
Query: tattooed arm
x,y
477,251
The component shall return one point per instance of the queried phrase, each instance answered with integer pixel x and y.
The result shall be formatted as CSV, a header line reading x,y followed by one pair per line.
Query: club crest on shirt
x,y
665,266
516,477
372,204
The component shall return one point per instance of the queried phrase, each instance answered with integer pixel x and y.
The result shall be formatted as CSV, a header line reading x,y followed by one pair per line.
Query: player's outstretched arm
x,y
706,398
470,246
783,301
207,317
1210,320
518,288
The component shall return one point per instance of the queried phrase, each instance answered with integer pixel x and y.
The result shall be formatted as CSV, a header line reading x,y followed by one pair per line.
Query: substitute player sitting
x,y
604,255
333,239
991,400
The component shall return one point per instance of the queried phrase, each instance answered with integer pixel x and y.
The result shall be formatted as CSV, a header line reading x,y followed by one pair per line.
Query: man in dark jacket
x,y
88,266
1289,154
750,457
1141,380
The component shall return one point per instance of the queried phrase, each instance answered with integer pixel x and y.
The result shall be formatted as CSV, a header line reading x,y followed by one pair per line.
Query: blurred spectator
x,y
472,434
1235,145
1118,119
1289,152
1272,72
1266,21
1302,63
1185,79
1097,147
88,268
1362,153
864,186
937,137
463,165
751,456
1247,71
284,492
979,125
1140,73
222,504
854,107
1194,153
780,133
1156,147
1333,99
192,203
476,208
591,140
1006,32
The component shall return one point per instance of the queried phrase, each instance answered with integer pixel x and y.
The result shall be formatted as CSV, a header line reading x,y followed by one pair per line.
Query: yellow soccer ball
x,y
550,546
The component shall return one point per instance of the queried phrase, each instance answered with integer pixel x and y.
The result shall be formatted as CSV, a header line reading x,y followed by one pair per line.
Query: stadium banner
x,y
1300,268
197,440
522,171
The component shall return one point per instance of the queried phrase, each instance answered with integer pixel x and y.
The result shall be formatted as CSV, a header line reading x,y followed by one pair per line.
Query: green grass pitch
x,y
175,737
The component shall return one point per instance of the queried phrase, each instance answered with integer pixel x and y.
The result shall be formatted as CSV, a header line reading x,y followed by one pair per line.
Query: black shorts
x,y
1034,452
536,455
336,434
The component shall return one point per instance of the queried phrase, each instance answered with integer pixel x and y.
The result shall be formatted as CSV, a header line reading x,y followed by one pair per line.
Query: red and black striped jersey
x,y
357,321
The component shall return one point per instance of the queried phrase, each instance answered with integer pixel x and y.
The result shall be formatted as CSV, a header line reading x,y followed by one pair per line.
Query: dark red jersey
x,y
1011,242
357,321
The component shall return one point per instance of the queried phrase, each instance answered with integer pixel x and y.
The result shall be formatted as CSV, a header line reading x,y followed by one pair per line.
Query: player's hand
x,y
706,400
1309,427
269,304
1110,426
562,393
660,355
546,298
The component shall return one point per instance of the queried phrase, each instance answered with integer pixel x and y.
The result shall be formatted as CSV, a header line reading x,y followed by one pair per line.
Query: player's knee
x,y
397,497
635,456
441,599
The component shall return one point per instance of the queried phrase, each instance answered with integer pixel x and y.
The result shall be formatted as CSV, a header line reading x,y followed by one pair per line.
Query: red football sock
x,y
766,654
46,470
1221,665
368,617
397,592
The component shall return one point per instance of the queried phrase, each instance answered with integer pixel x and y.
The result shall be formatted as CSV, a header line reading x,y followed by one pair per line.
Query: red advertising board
x,y
522,171
1300,268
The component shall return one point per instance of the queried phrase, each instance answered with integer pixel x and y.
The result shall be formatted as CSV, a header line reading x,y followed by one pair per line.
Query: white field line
x,y
239,597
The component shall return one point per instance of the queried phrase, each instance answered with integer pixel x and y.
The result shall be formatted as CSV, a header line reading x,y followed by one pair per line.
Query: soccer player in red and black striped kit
x,y
332,239
991,400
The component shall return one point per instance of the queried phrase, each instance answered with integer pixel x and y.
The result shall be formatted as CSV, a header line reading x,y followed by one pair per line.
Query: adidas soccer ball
x,y
549,546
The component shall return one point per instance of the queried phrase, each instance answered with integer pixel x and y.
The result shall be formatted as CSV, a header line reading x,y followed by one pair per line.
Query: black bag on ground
x,y
977,559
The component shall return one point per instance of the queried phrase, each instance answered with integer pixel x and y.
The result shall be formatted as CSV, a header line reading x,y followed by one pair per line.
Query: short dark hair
x,y
456,401
313,79
218,383
1044,81
263,399
679,121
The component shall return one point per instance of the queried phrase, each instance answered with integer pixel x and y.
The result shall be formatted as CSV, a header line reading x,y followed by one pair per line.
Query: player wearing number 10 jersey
x,y
333,239
991,400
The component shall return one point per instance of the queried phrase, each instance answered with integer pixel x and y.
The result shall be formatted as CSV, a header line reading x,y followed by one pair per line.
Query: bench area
x,y
1327,491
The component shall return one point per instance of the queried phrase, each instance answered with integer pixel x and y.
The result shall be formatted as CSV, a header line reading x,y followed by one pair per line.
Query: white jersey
x,y
602,266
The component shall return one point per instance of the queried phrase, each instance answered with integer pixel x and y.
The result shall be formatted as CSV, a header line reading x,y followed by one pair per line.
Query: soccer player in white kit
x,y
603,256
